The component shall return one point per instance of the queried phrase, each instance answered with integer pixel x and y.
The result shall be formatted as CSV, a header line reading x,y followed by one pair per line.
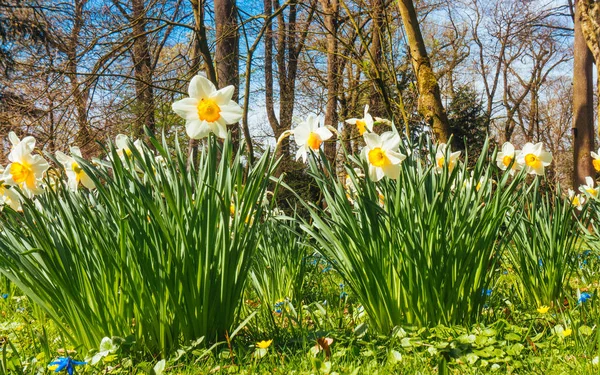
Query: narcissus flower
x,y
122,145
207,109
75,173
362,124
534,159
309,136
8,197
596,160
440,158
577,200
264,344
589,189
506,156
383,155
543,309
25,170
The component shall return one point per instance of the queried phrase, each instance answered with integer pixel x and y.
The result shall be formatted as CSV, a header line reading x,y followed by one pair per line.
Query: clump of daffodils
x,y
207,110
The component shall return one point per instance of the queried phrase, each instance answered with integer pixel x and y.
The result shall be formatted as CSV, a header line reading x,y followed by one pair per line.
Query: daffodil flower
x,y
25,170
66,363
589,189
8,197
383,155
362,124
596,160
207,110
534,159
122,145
440,158
309,136
577,200
75,173
506,156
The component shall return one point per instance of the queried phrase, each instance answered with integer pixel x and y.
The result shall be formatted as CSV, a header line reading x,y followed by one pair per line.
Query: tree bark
x,y
430,103
331,13
583,105
227,53
143,69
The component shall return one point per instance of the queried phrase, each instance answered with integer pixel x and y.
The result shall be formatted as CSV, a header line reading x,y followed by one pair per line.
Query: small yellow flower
x,y
264,344
543,309
567,332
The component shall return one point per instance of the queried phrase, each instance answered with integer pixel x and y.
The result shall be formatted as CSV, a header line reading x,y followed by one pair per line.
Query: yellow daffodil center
x,y
591,191
532,160
264,344
378,158
575,201
362,126
507,160
208,110
314,141
22,172
78,170
440,162
596,163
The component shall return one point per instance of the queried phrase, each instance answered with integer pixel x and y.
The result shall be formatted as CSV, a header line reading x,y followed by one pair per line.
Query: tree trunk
x,y
227,54
331,10
430,103
583,105
143,70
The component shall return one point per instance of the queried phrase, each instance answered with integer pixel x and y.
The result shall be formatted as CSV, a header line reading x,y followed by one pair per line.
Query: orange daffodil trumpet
x,y
534,159
506,156
441,153
25,170
383,155
309,136
75,173
207,110
577,200
363,124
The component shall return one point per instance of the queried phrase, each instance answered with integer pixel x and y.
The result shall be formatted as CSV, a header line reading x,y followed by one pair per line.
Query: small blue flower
x,y
327,269
587,252
5,296
486,292
20,309
66,363
584,297
540,263
343,295
342,286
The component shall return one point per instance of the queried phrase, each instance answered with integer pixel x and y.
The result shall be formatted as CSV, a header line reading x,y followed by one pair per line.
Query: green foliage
x,y
158,252
426,254
545,245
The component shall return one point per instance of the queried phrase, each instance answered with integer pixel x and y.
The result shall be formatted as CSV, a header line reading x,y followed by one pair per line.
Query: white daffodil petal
x,y
372,140
324,133
391,171
231,113
197,129
223,96
200,87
